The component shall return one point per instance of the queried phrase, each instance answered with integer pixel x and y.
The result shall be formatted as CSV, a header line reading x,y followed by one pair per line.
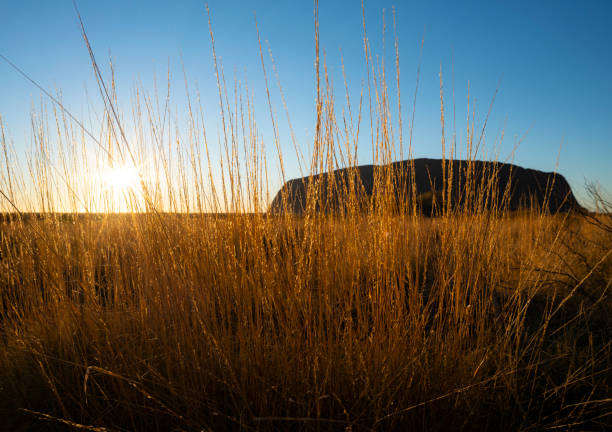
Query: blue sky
x,y
553,60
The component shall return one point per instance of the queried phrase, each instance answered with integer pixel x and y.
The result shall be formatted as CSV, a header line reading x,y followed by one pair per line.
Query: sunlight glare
x,y
121,178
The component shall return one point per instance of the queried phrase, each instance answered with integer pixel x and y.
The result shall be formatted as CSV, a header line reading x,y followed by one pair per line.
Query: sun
x,y
121,187
121,178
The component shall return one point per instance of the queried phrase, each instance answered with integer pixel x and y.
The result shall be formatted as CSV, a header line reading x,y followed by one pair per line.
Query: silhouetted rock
x,y
473,185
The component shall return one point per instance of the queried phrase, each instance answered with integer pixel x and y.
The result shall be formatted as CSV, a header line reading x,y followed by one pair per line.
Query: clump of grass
x,y
194,310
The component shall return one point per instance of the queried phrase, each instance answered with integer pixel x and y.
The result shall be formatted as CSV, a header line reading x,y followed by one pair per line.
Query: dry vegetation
x,y
155,320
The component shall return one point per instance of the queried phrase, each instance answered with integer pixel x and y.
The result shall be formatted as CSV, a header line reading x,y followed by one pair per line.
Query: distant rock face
x,y
492,184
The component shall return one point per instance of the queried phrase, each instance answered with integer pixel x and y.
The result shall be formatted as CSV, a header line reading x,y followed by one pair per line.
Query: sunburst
x,y
123,178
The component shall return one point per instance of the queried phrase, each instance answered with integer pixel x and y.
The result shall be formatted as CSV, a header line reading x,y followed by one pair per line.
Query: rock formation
x,y
473,185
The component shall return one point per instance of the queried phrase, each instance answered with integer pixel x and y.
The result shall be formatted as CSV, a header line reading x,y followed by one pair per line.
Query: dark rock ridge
x,y
475,185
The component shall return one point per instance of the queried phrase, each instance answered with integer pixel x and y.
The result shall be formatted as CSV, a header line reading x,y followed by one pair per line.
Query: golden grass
x,y
381,320
221,322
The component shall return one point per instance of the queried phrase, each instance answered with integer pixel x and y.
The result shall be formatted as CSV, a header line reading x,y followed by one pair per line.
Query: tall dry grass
x,y
194,310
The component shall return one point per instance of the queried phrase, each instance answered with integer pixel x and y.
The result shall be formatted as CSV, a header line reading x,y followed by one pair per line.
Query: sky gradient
x,y
549,60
